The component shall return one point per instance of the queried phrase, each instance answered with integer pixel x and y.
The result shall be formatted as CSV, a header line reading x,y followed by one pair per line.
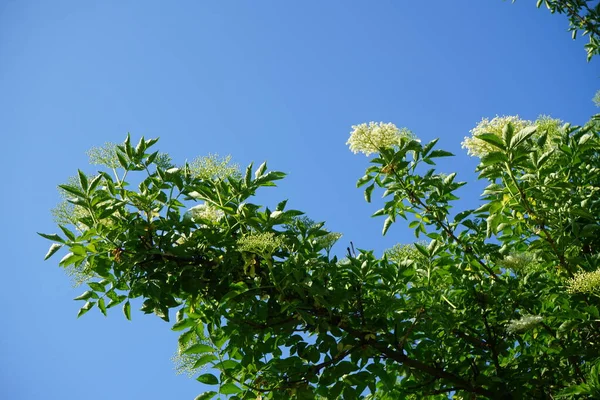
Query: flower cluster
x,y
213,167
479,148
375,136
184,363
525,323
264,244
205,212
585,282
519,262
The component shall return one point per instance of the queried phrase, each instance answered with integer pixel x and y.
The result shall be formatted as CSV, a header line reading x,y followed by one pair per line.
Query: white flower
x,y
375,136
525,323
479,148
204,212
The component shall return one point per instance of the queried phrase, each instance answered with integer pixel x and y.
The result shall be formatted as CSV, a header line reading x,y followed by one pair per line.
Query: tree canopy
x,y
495,302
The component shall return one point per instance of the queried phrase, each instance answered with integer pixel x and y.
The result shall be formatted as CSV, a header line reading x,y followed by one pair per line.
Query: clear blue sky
x,y
277,81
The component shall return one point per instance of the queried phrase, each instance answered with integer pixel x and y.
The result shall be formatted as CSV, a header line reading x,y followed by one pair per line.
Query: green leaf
x,y
69,259
492,158
368,192
422,249
94,182
181,325
85,295
206,395
362,181
73,190
86,307
386,224
248,175
492,139
127,310
440,153
507,132
96,286
261,169
102,306
53,249
229,388
205,359
522,136
54,237
83,181
208,379
199,348
122,160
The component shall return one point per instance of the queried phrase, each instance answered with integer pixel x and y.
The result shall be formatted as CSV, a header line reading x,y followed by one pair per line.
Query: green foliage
x,y
496,302
584,17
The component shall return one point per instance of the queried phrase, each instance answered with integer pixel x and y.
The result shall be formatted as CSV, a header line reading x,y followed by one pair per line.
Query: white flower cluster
x,y
371,138
585,282
205,212
479,148
213,167
525,323
264,244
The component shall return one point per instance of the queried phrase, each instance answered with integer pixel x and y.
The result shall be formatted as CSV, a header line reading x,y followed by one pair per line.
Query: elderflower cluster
x,y
213,167
371,138
585,282
479,148
184,363
519,262
205,212
264,244
525,323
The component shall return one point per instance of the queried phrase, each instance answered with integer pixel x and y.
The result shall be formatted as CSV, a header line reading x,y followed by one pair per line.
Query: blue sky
x,y
276,81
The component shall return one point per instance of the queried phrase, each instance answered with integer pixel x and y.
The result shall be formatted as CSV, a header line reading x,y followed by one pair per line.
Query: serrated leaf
x,y
522,136
83,181
492,139
261,169
54,237
96,286
368,192
102,306
85,295
73,190
421,249
362,181
205,359
127,310
386,224
229,388
492,158
208,379
440,153
86,307
248,175
53,249
199,348
184,323
206,395
68,259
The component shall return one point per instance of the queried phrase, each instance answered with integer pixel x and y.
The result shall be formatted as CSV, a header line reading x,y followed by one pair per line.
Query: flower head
x,y
525,323
585,282
213,167
204,212
479,148
375,136
264,244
